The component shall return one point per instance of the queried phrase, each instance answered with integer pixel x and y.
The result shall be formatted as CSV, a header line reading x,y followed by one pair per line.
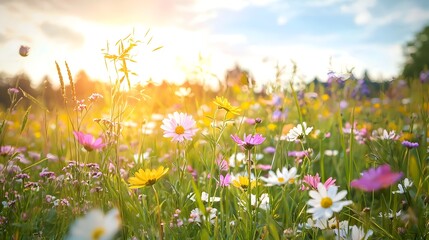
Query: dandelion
x,y
96,225
298,133
148,177
179,126
280,177
248,141
325,202
88,141
223,103
376,178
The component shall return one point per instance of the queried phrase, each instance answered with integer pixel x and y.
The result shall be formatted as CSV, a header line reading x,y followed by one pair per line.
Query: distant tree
x,y
417,54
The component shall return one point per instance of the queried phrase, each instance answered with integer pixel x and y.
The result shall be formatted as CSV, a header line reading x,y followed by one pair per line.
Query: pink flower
x,y
263,166
248,141
313,181
376,178
88,141
224,181
222,164
179,126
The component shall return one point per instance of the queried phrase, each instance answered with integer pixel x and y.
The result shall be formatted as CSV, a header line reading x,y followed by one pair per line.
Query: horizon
x,y
320,36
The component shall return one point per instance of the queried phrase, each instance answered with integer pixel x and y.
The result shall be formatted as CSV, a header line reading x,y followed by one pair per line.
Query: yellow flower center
x,y
291,181
179,130
326,202
280,179
97,233
151,182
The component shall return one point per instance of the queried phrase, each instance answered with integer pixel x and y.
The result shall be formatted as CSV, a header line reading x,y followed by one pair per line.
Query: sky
x,y
317,35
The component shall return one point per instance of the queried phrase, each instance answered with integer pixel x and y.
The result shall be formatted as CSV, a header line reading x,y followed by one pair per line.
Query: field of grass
x,y
235,164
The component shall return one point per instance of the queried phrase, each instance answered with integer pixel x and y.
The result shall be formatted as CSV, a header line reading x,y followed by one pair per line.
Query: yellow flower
x,y
325,97
242,182
222,103
272,126
147,177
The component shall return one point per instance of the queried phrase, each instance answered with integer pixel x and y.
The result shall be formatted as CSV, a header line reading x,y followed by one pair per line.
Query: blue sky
x,y
318,35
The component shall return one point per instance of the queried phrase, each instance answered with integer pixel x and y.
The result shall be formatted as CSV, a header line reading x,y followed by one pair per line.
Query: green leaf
x,y
31,98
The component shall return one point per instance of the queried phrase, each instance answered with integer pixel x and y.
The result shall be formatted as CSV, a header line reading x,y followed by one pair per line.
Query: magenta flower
x,y
376,178
88,141
224,181
248,141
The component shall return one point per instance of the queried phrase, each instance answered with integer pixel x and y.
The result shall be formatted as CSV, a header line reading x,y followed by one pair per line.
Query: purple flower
x,y
88,141
376,178
410,145
224,181
269,149
7,150
248,141
424,77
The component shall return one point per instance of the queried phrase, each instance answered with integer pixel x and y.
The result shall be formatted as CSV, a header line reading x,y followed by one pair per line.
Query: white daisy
x,y
263,202
353,233
240,158
297,133
280,177
325,202
204,197
331,152
401,188
96,225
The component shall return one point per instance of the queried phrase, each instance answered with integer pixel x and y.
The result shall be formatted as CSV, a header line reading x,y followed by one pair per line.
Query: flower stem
x,y
161,230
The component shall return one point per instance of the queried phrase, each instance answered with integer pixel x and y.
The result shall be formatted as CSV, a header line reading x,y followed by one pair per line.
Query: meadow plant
x,y
328,161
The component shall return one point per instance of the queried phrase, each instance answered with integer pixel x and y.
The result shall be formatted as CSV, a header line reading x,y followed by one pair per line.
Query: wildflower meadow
x,y
323,160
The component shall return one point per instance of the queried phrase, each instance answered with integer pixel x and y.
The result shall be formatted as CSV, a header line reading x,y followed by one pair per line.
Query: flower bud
x,y
24,50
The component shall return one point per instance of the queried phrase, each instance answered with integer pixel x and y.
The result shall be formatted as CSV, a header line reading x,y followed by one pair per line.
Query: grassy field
x,y
320,162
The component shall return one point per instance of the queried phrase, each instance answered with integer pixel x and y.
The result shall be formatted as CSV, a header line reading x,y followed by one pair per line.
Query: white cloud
x,y
281,20
360,10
